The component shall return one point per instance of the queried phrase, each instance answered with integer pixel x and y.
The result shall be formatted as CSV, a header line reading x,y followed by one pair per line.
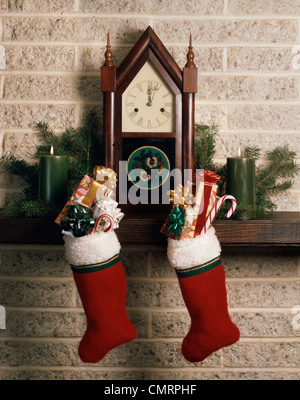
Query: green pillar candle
x,y
53,178
241,184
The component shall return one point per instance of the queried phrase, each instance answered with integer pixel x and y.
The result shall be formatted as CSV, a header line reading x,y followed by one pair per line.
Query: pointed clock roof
x,y
148,42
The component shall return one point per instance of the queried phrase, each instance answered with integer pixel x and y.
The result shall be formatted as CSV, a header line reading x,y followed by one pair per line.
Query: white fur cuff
x,y
91,249
189,253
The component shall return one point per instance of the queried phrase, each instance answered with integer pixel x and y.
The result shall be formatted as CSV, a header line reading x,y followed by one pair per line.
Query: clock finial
x,y
190,56
108,54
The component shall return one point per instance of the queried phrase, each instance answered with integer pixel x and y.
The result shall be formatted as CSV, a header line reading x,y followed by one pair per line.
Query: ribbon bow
x,y
182,194
78,221
207,176
176,220
109,207
105,176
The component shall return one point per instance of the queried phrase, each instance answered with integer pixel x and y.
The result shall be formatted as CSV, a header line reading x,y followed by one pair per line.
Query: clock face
x,y
148,104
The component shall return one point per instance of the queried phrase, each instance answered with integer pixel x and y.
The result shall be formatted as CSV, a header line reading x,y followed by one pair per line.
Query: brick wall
x,y
45,320
50,58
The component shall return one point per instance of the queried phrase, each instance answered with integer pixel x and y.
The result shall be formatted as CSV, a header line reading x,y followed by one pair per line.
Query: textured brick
x,y
246,88
261,7
21,145
141,374
154,294
263,294
40,58
259,264
52,87
170,324
235,31
260,59
36,324
156,354
47,6
277,117
206,58
18,353
135,262
227,145
52,52
262,355
36,294
27,116
211,115
34,263
160,266
265,324
71,29
162,7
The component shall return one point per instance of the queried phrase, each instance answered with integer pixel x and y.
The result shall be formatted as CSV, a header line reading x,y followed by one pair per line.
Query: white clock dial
x,y
148,103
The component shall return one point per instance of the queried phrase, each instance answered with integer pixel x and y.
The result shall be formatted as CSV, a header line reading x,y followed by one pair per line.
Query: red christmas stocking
x,y
102,286
202,281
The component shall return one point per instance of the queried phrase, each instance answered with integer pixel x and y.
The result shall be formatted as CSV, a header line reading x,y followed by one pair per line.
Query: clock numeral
x,y
130,104
139,87
132,114
132,95
167,114
168,104
166,95
149,124
158,121
140,121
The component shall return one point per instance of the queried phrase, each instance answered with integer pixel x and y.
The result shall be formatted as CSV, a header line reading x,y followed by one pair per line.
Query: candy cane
x,y
215,210
111,222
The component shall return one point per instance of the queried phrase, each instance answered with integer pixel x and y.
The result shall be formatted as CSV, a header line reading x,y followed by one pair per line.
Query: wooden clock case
x,y
183,83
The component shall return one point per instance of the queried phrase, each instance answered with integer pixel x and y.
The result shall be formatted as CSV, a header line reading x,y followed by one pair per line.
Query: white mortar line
x,y
184,17
115,44
210,73
157,309
62,279
258,339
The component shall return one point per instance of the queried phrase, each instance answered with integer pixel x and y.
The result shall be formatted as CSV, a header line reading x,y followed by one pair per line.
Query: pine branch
x,y
205,146
252,152
31,208
28,172
47,135
281,164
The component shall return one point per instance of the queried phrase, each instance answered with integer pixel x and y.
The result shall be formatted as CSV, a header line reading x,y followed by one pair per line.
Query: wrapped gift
x,y
87,194
196,208
206,193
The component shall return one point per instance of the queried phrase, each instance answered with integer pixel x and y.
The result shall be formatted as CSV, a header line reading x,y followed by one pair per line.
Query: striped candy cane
x,y
215,210
104,216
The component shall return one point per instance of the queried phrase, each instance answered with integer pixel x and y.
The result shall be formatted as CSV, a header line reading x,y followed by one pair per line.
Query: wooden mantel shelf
x,y
277,229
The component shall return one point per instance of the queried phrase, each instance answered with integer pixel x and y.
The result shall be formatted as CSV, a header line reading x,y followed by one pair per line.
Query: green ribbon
x,y
78,221
176,220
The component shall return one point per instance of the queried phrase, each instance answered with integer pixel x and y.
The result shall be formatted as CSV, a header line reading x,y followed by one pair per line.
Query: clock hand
x,y
149,92
155,90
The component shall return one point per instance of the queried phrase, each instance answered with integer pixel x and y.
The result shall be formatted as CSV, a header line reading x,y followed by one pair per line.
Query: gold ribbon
x,y
90,197
182,195
105,176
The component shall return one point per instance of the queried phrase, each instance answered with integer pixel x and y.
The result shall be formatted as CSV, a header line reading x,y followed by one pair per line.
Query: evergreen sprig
x,y
83,149
273,178
205,147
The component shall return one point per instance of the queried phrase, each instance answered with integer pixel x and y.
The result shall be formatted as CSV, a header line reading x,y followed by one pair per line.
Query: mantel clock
x,y
148,122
